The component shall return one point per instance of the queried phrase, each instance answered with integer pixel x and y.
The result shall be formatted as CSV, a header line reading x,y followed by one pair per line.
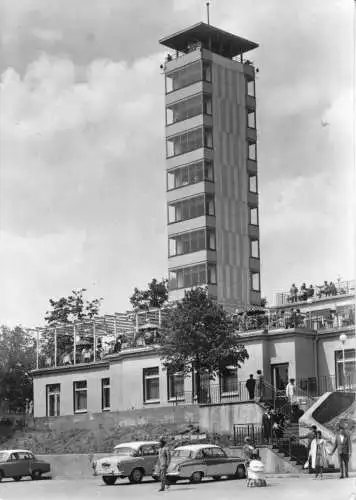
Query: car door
x,y
150,456
23,463
216,461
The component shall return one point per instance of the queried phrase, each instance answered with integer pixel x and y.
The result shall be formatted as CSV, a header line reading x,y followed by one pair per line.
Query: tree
x,y
199,336
17,359
155,296
72,308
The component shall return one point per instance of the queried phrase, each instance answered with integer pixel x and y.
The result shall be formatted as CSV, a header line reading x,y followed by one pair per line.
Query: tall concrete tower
x,y
212,185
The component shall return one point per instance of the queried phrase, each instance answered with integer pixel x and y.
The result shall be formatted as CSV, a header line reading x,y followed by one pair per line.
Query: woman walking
x,y
318,455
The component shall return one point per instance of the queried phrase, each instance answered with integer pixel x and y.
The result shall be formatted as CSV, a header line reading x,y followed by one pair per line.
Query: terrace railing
x,y
341,288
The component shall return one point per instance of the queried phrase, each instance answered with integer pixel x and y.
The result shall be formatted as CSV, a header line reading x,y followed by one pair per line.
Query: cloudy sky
x,y
82,184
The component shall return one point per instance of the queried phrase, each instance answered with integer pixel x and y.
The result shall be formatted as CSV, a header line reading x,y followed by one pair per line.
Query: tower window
x,y
255,282
189,141
254,216
252,152
203,239
191,208
183,110
187,277
251,118
254,249
252,183
187,75
251,88
190,174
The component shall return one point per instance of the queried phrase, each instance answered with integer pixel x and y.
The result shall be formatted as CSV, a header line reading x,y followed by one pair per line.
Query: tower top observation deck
x,y
208,37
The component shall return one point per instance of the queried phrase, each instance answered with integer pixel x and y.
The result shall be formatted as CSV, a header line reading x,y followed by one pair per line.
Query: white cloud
x,y
47,35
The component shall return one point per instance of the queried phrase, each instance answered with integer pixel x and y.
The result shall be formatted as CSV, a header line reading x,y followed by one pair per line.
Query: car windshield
x,y
4,455
125,452
182,453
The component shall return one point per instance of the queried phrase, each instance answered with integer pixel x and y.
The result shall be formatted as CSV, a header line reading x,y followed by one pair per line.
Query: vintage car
x,y
21,463
196,461
132,460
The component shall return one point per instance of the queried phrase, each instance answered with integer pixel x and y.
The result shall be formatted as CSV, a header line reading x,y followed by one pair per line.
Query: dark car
x,y
21,463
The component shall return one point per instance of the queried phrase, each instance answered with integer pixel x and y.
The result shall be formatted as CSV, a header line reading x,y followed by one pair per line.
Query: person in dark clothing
x,y
344,447
267,423
250,385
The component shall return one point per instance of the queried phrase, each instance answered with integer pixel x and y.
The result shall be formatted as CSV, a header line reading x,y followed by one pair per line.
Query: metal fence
x,y
341,288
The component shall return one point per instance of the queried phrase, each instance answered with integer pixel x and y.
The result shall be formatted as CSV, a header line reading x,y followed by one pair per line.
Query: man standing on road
x,y
343,447
250,386
164,458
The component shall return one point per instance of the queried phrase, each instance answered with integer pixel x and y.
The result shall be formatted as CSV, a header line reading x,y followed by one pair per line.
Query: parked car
x,y
132,460
196,461
21,463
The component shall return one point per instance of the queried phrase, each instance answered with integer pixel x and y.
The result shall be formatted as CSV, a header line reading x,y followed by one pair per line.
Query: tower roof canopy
x,y
212,38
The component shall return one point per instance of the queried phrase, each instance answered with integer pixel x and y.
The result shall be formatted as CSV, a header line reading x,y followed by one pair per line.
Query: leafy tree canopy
x,y
17,358
200,333
155,296
72,308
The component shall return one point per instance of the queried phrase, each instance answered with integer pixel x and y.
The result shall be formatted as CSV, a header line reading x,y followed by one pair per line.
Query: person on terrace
x,y
303,293
310,292
332,288
293,293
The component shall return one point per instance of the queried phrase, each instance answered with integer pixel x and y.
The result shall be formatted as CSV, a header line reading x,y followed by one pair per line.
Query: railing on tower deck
x,y
320,293
281,319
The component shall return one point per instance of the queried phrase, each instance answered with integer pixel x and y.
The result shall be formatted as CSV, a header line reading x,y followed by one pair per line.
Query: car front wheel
x,y
196,477
16,478
1,475
136,476
109,480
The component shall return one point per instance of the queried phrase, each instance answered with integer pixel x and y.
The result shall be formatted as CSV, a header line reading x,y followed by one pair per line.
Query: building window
x,y
254,216
192,73
252,183
183,110
175,385
105,393
254,249
191,208
251,88
53,400
345,368
151,385
255,282
251,118
190,174
187,277
80,396
189,141
228,380
252,152
204,386
180,244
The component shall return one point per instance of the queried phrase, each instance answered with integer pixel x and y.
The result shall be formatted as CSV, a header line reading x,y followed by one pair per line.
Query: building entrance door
x,y
280,376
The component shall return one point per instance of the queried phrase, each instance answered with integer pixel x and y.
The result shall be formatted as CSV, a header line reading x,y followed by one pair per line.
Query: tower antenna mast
x,y
208,11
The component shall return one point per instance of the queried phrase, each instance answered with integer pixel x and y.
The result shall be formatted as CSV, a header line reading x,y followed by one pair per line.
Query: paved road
x,y
304,488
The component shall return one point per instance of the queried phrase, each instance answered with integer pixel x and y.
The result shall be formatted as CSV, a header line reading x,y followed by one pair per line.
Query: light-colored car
x,y
132,460
21,463
196,461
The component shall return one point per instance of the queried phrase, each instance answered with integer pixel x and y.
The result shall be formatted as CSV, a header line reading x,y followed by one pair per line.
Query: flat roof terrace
x,y
211,38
